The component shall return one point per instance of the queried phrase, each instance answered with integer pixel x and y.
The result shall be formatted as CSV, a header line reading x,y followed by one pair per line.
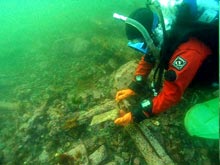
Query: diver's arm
x,y
141,74
144,68
189,56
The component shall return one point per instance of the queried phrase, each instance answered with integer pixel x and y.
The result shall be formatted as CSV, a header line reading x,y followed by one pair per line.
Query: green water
x,y
56,58
39,39
53,50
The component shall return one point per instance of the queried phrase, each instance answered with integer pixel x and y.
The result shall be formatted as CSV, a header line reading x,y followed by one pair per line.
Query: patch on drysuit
x,y
179,63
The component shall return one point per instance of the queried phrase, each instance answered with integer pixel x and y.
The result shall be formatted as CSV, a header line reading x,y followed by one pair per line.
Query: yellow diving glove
x,y
124,119
122,94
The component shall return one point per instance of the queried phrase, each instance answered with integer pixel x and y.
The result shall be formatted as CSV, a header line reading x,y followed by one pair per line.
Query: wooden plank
x,y
110,115
149,147
85,116
155,144
144,146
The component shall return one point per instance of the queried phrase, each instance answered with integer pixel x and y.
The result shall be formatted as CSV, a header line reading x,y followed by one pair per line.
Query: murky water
x,y
56,62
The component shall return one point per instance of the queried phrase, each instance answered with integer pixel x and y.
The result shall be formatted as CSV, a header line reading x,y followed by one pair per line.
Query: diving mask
x,y
138,45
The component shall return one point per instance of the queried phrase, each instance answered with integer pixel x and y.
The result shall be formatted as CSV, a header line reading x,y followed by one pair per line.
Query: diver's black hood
x,y
143,16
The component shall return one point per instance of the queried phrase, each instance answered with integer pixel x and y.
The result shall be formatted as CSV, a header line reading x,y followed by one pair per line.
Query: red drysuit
x,y
185,61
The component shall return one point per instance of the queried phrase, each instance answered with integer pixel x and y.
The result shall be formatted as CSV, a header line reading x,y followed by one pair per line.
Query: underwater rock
x,y
126,156
79,45
43,156
92,143
8,106
97,94
111,163
77,155
98,156
112,63
137,161
119,160
189,154
74,45
123,76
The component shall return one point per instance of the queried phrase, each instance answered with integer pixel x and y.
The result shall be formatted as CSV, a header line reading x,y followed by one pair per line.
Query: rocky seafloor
x,y
39,123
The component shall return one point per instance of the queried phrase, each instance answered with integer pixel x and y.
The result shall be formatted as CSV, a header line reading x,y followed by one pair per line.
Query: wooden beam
x,y
146,143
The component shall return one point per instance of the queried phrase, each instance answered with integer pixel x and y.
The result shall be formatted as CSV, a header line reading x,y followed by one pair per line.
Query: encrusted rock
x,y
123,77
111,163
119,160
43,156
77,155
98,156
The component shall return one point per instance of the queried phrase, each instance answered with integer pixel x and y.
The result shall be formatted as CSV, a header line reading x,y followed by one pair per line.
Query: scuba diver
x,y
183,55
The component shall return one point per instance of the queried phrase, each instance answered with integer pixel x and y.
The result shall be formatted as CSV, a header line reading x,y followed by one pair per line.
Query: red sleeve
x,y
185,61
143,68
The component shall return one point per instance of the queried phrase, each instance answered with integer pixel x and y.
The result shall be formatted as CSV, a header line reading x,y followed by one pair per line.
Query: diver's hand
x,y
137,113
142,110
124,119
122,94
